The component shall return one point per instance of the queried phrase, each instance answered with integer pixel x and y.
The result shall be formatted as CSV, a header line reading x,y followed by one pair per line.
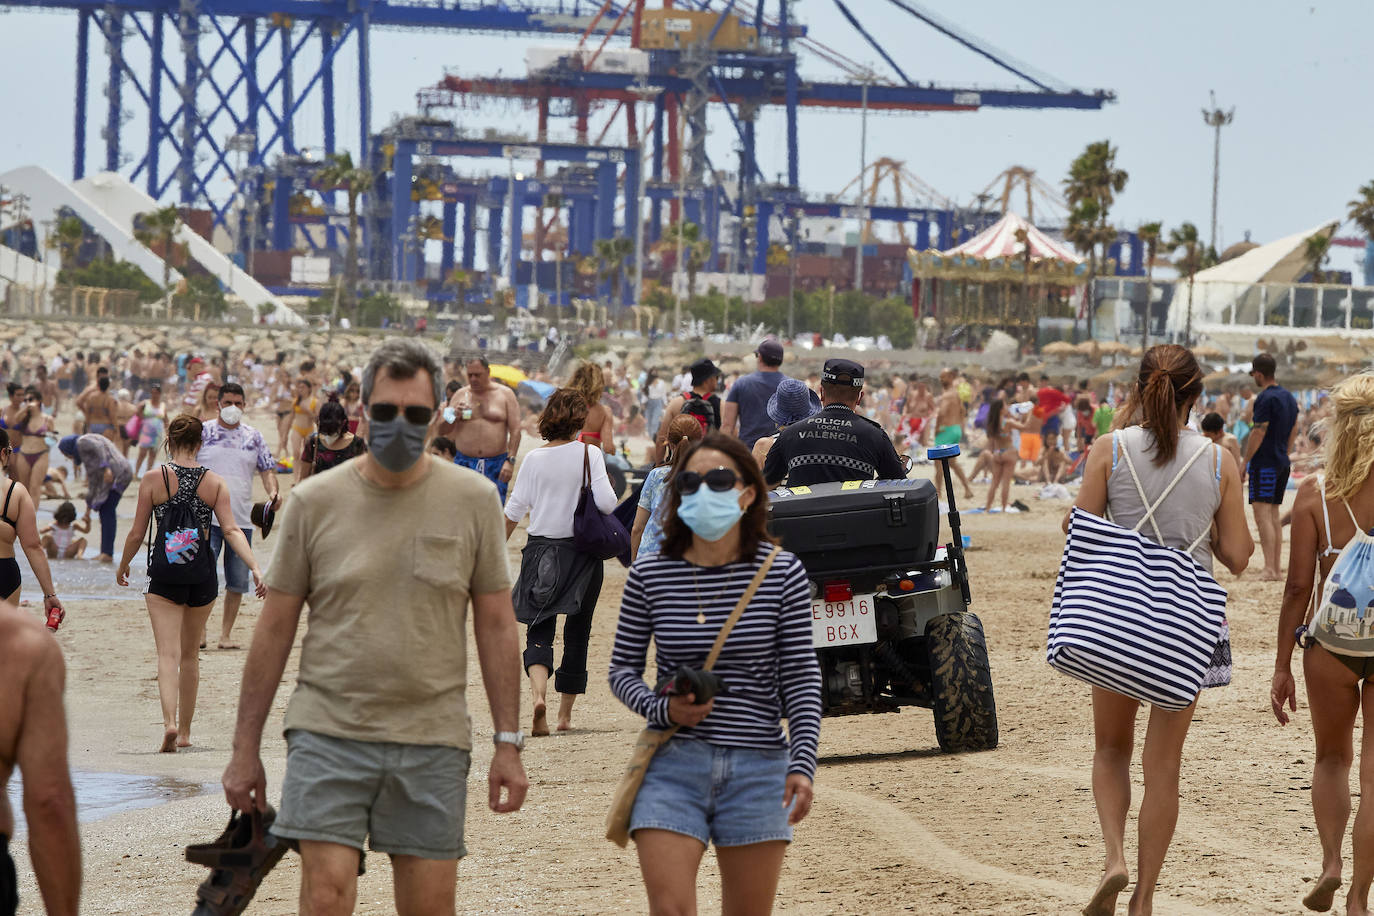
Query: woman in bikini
x,y
99,406
1330,511
30,464
1003,457
281,405
353,406
19,522
304,406
599,427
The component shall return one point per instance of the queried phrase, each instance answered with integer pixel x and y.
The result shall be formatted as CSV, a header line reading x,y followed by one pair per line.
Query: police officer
x,y
837,443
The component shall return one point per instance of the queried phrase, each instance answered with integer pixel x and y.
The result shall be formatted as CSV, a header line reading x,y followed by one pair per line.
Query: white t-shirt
x,y
658,391
549,484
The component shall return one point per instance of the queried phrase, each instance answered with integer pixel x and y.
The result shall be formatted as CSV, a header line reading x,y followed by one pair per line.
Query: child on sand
x,y
55,484
57,539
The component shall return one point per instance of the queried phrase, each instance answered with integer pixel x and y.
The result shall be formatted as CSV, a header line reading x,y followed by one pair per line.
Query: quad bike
x,y
889,607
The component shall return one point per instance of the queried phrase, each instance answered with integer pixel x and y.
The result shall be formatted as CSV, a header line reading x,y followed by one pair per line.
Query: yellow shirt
x,y
387,575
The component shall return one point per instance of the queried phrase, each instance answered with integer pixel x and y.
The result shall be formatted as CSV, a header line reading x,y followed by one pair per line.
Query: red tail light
x,y
838,591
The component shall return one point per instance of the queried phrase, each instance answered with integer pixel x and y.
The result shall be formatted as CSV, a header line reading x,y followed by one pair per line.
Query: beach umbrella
x,y
1113,347
1058,348
1207,352
534,394
508,375
1088,348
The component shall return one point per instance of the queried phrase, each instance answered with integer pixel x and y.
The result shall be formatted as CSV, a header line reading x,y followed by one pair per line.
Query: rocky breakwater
x,y
28,338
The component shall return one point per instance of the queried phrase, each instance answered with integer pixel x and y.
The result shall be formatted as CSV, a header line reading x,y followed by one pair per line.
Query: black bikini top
x,y
5,512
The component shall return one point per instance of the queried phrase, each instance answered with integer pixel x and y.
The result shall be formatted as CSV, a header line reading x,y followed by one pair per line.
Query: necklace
x,y
696,586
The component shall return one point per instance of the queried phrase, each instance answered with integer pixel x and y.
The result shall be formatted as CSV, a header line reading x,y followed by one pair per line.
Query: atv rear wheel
x,y
961,684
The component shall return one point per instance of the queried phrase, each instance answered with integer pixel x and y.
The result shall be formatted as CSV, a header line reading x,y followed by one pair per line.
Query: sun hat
x,y
792,402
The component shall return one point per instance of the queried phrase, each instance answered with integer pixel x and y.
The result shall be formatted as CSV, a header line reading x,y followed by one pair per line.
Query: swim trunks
x,y
1031,444
1267,483
9,881
489,468
949,435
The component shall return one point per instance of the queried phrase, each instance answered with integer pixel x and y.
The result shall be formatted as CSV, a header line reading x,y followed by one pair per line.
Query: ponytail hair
x,y
1169,379
683,428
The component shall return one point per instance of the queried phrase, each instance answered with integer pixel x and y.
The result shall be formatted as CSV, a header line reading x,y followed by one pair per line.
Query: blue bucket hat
x,y
792,402
67,446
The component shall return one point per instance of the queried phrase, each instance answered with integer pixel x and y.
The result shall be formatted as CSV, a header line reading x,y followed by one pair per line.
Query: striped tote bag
x,y
1130,615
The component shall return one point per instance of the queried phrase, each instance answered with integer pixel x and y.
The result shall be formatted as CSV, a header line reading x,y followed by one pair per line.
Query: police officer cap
x,y
843,372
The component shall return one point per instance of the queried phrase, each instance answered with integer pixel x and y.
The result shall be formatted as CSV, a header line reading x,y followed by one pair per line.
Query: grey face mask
x,y
396,444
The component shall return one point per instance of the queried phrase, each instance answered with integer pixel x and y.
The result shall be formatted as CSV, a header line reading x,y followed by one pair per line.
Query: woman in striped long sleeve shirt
x,y
730,775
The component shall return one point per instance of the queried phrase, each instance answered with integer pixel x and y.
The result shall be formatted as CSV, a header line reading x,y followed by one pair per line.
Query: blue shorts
x,y
237,577
490,468
1267,483
730,796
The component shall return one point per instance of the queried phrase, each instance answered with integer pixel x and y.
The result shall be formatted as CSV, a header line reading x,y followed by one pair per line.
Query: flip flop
x,y
238,859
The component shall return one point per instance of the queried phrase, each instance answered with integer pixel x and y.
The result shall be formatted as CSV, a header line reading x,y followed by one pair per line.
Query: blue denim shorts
x,y
730,796
237,577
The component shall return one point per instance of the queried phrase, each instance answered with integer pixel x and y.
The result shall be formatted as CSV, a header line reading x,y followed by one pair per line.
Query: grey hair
x,y
402,358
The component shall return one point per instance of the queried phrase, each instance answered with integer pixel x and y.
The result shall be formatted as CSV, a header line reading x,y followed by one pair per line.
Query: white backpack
x,y
1344,621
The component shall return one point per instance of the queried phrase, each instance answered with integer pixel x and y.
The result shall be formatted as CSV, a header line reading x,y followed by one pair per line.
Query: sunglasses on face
x,y
718,479
415,414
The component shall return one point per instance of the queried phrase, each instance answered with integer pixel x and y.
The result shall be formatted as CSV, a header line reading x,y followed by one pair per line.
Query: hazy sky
x,y
1298,150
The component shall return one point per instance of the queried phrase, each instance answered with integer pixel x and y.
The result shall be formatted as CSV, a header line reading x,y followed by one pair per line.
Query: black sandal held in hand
x,y
239,859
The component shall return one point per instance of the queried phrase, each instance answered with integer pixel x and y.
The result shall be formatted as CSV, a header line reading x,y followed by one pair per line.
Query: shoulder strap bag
x,y
602,536
1131,615
651,739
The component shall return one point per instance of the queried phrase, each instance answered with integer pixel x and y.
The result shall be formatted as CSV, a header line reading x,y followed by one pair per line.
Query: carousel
x,y
1006,278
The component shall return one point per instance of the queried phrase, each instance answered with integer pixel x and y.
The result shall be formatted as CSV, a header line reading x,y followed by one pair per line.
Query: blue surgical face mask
x,y
396,444
710,514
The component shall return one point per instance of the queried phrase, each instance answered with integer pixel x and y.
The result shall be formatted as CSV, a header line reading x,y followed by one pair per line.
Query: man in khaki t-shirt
x,y
389,550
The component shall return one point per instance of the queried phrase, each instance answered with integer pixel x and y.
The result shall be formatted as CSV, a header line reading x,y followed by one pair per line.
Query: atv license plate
x,y
843,623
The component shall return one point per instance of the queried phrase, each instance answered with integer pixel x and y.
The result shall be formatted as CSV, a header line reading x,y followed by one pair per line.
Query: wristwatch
x,y
516,738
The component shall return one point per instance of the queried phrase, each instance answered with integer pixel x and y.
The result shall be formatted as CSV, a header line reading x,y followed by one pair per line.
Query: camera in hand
x,y
703,685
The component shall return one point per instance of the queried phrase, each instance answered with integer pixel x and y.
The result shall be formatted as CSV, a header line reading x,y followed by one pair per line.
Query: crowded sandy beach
x,y
896,825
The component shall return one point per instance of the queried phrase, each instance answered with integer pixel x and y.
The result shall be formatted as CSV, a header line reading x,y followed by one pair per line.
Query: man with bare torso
x,y
950,414
487,425
33,736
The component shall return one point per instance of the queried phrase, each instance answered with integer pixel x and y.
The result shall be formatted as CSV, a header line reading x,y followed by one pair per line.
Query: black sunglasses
x,y
415,414
719,479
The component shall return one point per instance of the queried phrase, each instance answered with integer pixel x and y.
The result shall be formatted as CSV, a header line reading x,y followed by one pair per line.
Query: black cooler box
x,y
861,531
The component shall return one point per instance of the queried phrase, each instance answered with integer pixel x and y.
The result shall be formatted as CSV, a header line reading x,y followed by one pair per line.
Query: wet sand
x,y
897,826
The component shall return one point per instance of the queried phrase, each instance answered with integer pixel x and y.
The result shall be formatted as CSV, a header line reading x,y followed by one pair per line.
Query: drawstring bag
x,y
1344,621
1133,616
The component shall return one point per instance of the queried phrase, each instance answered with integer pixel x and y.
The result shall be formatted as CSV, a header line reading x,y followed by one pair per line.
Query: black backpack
x,y
180,553
707,410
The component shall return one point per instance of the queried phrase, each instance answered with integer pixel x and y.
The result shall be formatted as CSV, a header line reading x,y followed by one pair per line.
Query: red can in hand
x,y
55,617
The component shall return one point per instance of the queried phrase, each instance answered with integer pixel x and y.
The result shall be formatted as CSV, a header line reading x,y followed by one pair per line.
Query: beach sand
x,y
897,826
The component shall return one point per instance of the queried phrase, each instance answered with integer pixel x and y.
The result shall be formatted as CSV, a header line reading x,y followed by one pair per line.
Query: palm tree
x,y
1150,235
1361,209
341,174
696,251
67,237
611,253
1186,238
1316,251
1091,189
159,228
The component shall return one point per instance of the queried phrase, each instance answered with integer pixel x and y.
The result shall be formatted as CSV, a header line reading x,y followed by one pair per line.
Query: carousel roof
x,y
999,241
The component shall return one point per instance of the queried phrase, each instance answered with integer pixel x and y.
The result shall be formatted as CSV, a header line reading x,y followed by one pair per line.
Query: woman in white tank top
x,y
1326,515
1150,431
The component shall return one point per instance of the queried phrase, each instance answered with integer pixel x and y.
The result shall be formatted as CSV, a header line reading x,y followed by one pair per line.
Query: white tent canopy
x,y
1236,282
1000,241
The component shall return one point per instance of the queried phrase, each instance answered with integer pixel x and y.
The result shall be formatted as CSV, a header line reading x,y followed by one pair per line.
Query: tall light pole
x,y
644,93
1216,119
863,169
